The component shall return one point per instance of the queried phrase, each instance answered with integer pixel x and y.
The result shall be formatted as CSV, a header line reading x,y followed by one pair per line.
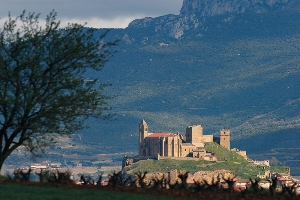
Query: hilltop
x,y
228,161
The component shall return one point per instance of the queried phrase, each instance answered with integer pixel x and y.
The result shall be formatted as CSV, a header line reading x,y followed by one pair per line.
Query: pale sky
x,y
97,13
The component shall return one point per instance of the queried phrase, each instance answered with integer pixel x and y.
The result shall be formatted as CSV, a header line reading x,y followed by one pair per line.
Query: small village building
x,y
265,184
266,175
199,153
242,184
262,163
39,166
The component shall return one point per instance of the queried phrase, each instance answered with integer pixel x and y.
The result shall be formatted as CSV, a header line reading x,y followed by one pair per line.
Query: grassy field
x,y
21,190
34,192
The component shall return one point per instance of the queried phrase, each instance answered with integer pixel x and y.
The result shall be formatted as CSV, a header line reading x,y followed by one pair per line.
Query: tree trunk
x,y
1,153
1,163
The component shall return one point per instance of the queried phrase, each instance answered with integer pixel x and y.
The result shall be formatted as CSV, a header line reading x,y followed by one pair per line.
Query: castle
x,y
161,145
168,144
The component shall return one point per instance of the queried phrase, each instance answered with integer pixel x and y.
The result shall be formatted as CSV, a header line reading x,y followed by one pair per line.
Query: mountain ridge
x,y
193,16
208,8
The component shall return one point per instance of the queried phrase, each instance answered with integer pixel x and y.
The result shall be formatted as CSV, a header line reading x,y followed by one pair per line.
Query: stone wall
x,y
202,177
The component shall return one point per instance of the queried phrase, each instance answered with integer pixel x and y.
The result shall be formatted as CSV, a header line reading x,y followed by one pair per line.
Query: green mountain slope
x,y
236,71
249,85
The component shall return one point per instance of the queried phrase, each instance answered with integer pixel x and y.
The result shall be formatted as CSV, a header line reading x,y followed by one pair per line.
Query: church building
x,y
168,144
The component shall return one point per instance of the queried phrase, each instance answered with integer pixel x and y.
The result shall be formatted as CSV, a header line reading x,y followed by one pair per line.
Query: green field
x,y
34,192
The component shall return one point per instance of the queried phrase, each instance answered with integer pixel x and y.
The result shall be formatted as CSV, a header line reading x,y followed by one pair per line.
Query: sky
x,y
96,13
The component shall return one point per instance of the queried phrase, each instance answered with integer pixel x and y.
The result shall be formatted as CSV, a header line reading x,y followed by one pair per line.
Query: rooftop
x,y
162,134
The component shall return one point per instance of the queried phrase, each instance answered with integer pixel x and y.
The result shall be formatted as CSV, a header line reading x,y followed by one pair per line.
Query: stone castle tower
x,y
143,132
225,138
194,135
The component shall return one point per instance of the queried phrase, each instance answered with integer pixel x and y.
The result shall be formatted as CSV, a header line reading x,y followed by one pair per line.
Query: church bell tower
x,y
143,132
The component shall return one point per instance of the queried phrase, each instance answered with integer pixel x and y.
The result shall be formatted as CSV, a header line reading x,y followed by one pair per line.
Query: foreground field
x,y
34,192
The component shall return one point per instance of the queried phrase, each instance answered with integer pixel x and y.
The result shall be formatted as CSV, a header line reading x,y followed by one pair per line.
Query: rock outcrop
x,y
206,8
202,177
194,15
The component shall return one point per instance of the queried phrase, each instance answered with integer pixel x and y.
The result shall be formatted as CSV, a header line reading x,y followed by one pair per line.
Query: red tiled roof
x,y
282,179
162,134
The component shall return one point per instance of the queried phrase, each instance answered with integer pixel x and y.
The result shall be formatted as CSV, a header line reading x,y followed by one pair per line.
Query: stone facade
x,y
241,152
168,144
163,145
225,138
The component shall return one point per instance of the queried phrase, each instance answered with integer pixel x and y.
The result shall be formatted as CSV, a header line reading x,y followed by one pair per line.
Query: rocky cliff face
x,y
194,15
218,7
